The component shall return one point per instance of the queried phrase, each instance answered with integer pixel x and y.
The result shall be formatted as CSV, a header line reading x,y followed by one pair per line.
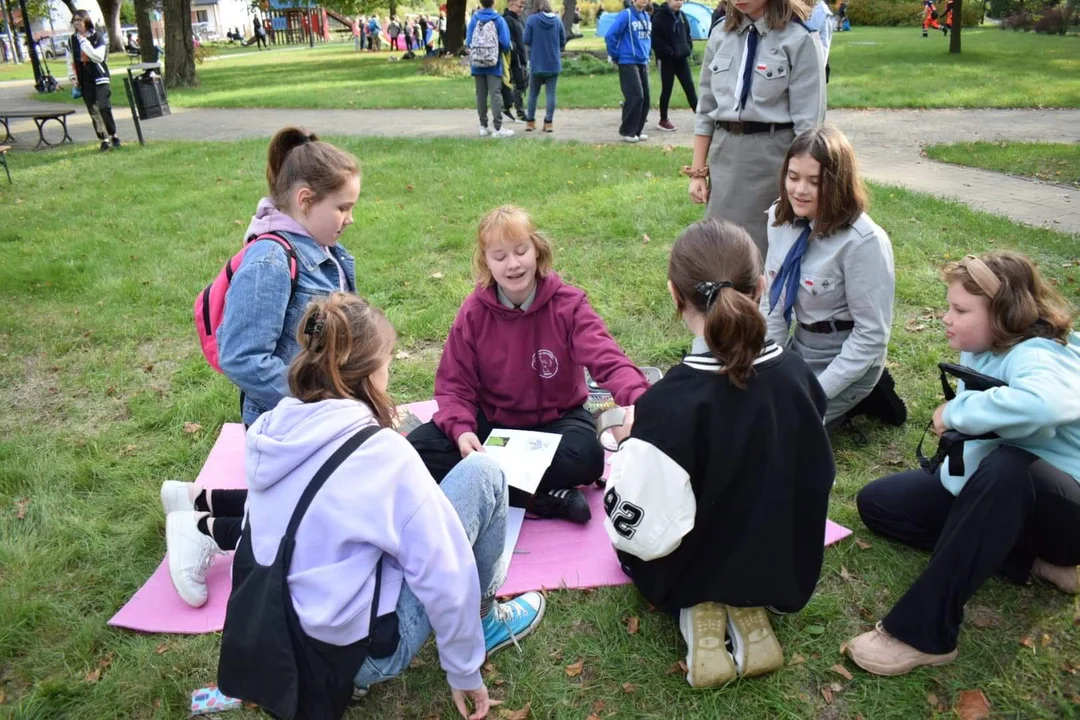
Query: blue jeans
x,y
549,82
476,489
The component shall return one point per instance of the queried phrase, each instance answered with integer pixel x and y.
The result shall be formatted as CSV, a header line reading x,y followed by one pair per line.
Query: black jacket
x,y
670,34
87,72
518,59
761,468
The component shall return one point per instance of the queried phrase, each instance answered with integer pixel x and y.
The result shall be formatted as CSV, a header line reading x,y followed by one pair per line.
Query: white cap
x,y
649,503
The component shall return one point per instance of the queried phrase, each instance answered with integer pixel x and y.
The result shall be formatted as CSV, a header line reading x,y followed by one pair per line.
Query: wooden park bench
x,y
3,160
40,116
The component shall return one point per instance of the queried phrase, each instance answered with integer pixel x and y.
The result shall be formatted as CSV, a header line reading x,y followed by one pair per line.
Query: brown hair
x,y
297,157
542,6
343,340
841,194
1023,306
720,252
506,224
86,21
778,13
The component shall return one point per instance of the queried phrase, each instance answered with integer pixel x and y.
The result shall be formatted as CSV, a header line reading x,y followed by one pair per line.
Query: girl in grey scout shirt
x,y
833,266
762,83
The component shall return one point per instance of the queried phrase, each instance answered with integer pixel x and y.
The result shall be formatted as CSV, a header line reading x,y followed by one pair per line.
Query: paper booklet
x,y
524,455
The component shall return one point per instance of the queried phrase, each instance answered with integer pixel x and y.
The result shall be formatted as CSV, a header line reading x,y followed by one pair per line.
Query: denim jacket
x,y
257,337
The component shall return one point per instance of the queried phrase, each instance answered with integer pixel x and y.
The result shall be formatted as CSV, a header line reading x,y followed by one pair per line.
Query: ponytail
x,y
297,157
343,340
715,267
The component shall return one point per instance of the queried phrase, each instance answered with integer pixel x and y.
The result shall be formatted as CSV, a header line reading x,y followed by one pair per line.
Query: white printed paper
x,y
514,518
523,455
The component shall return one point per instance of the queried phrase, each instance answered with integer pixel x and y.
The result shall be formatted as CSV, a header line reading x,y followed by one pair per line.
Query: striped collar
x,y
706,361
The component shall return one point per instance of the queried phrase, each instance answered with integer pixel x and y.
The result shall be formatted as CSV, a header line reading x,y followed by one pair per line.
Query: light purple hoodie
x,y
268,218
380,500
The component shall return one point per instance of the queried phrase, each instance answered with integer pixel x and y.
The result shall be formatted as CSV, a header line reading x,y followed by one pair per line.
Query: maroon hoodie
x,y
524,368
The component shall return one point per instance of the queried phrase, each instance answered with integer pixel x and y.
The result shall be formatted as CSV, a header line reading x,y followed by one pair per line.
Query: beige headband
x,y
983,276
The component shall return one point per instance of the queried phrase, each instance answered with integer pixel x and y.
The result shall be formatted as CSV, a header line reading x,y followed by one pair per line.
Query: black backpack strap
x,y
347,448
290,252
946,388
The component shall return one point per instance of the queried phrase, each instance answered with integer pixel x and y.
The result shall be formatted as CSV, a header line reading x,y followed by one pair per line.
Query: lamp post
x,y
39,79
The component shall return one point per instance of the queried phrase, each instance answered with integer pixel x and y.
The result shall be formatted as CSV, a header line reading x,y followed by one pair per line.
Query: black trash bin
x,y
149,91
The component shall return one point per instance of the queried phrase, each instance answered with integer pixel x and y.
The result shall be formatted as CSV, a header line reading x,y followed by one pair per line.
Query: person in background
x,y
672,45
88,52
821,20
518,67
545,37
629,45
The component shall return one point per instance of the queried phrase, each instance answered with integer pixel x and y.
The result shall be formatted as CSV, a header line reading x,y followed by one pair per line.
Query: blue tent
x,y
700,17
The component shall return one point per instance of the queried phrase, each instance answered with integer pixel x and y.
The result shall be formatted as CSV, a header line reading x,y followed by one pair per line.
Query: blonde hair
x,y
841,194
778,13
296,157
503,224
343,339
1022,305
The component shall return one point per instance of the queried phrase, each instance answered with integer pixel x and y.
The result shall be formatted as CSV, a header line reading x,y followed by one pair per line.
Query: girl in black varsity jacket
x,y
717,498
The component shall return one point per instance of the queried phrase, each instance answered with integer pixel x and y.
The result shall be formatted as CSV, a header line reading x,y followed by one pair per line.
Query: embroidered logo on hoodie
x,y
545,362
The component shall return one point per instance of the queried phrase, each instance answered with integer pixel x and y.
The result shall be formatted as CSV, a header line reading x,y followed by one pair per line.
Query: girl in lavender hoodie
x,y
441,546
515,358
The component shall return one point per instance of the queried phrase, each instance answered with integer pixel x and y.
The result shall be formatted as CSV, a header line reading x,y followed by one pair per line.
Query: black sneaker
x,y
564,504
510,116
883,403
116,143
105,147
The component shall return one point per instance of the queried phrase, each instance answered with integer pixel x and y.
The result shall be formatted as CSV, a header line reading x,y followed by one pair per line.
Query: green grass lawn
x,y
871,68
102,371
1053,162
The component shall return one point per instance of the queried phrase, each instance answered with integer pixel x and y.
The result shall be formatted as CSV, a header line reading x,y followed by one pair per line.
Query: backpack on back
x,y
484,48
210,303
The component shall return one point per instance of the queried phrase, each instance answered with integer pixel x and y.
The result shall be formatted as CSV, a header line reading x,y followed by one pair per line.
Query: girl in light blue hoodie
x,y
440,546
1015,510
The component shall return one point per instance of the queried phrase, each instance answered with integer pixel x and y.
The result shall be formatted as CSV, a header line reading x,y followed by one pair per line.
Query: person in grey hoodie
x,y
441,547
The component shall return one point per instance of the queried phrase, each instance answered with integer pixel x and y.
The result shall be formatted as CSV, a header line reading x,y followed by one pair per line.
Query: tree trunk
x,y
147,51
569,6
179,44
455,25
70,5
393,8
9,24
111,10
957,23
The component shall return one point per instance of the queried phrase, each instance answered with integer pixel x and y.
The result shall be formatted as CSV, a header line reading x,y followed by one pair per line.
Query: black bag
x,y
951,442
266,658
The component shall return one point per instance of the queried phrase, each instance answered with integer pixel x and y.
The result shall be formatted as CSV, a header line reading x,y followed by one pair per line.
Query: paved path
x,y
888,142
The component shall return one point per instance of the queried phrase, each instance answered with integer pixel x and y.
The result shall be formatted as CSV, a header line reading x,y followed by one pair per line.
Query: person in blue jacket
x,y
1013,509
629,44
545,37
488,38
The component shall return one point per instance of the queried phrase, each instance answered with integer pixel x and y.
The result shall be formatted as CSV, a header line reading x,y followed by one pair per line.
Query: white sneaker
x,y
484,132
708,662
629,138
642,137
503,133
175,495
190,553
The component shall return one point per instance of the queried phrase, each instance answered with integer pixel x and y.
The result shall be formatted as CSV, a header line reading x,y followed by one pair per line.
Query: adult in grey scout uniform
x,y
833,266
762,83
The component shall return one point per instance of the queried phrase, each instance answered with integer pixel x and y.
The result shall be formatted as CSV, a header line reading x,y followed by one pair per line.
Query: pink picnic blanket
x,y
550,554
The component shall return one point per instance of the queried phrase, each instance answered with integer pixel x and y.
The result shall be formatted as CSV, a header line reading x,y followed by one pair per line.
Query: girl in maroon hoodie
x,y
514,359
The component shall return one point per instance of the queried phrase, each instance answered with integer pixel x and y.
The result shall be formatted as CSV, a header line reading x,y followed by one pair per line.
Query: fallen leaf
x,y
842,671
846,574
972,705
934,702
416,662
804,697
574,669
402,355
827,694
797,660
679,667
1027,642
94,675
436,276
628,688
238,222
599,706
521,714
836,687
3,698
556,654
983,617
645,239
409,187
499,682
161,649
593,716
632,624
20,508
863,545
866,613
192,427
1044,640
488,668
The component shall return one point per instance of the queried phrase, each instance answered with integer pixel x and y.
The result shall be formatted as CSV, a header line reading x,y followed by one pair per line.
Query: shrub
x,y
1020,21
1052,22
203,51
589,8
447,66
888,13
1003,8
586,64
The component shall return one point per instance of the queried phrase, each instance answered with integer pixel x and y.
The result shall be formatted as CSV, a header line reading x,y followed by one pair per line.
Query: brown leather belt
x,y
752,128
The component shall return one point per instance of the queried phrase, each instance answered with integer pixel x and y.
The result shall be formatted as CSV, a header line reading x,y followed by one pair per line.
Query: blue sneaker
x,y
510,621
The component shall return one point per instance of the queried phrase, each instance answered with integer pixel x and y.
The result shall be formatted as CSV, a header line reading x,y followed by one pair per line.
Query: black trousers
x,y
228,515
579,459
512,95
671,68
634,81
98,101
1013,509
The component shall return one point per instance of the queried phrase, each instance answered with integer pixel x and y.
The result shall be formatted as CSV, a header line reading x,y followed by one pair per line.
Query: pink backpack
x,y
210,303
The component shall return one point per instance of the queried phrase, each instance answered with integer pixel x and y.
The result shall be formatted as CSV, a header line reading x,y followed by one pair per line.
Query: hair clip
x,y
314,325
711,289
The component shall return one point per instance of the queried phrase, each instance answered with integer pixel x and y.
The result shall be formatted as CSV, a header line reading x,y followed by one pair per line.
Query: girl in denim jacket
x,y
313,189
